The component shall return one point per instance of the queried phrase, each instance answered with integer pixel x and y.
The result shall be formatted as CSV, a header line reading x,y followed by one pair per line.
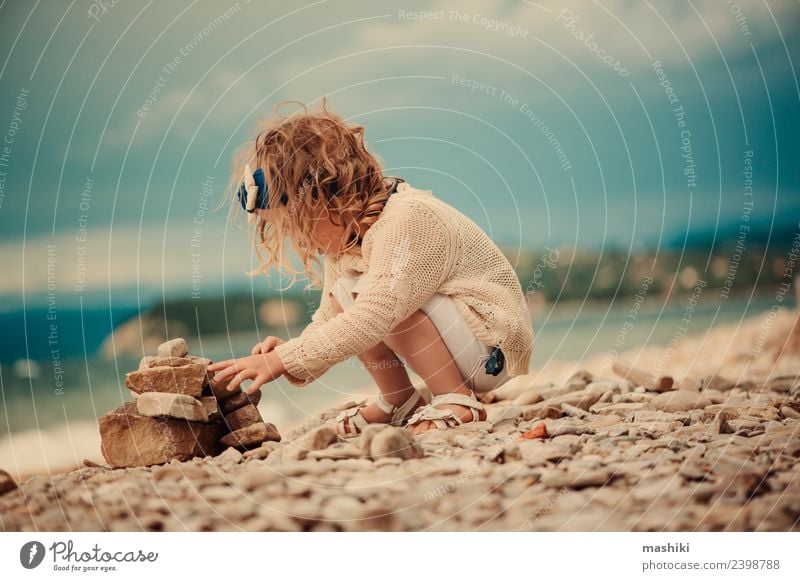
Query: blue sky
x,y
506,110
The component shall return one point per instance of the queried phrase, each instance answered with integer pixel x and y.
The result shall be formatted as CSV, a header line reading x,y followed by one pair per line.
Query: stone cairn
x,y
178,413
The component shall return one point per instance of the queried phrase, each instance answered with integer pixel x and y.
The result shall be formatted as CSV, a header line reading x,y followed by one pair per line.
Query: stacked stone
x,y
178,413
241,419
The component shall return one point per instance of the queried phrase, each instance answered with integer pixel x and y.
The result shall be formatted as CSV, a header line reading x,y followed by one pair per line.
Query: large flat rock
x,y
130,439
185,379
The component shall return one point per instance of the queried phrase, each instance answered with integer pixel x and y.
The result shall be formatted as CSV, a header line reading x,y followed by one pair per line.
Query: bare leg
x,y
418,341
389,374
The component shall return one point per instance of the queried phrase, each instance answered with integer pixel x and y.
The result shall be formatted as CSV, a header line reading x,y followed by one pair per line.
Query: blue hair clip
x,y
259,187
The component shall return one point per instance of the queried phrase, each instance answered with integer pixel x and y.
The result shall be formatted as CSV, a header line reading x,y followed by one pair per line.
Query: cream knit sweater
x,y
418,246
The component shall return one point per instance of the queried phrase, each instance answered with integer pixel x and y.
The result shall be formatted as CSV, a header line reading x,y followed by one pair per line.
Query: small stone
x,y
575,479
173,348
689,384
529,396
257,453
254,479
185,379
339,451
642,378
536,413
678,401
604,421
539,431
720,424
577,412
394,442
783,383
7,483
717,382
788,412
317,439
251,435
497,414
227,459
243,417
173,405
239,400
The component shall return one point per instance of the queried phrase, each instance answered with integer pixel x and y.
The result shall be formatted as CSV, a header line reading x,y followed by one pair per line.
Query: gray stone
x,y
789,412
642,378
575,478
720,424
174,405
678,401
394,442
229,458
317,439
338,451
497,414
529,396
173,348
717,382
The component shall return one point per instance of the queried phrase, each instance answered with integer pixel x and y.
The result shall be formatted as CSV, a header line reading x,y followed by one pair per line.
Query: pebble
x,y
317,439
394,442
497,415
789,412
173,348
575,478
679,401
7,483
628,461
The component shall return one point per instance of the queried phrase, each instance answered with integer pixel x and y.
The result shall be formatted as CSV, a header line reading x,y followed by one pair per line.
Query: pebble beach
x,y
702,435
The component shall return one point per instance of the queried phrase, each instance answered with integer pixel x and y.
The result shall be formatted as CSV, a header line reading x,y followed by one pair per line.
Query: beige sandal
x,y
356,422
444,419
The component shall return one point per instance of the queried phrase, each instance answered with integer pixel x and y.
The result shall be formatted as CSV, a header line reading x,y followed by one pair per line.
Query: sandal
x,y
444,419
356,422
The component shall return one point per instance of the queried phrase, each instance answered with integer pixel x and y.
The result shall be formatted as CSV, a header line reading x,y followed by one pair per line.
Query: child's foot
x,y
446,411
352,421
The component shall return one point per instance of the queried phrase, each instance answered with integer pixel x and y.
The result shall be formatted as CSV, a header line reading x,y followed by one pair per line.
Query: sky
x,y
615,124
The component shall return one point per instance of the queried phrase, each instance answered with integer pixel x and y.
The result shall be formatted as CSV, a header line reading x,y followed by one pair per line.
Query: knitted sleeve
x,y
411,257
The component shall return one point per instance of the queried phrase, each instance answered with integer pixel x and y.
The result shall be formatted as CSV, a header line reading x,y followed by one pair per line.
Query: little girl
x,y
407,279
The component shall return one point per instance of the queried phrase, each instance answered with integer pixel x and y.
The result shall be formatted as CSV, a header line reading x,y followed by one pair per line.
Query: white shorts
x,y
469,353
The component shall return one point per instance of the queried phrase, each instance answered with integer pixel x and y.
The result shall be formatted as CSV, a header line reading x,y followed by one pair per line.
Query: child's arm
x,y
411,256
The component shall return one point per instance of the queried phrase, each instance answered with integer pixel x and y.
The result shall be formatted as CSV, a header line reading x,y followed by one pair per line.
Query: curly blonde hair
x,y
302,155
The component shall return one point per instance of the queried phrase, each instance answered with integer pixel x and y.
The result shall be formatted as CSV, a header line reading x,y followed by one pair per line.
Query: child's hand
x,y
266,345
261,368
